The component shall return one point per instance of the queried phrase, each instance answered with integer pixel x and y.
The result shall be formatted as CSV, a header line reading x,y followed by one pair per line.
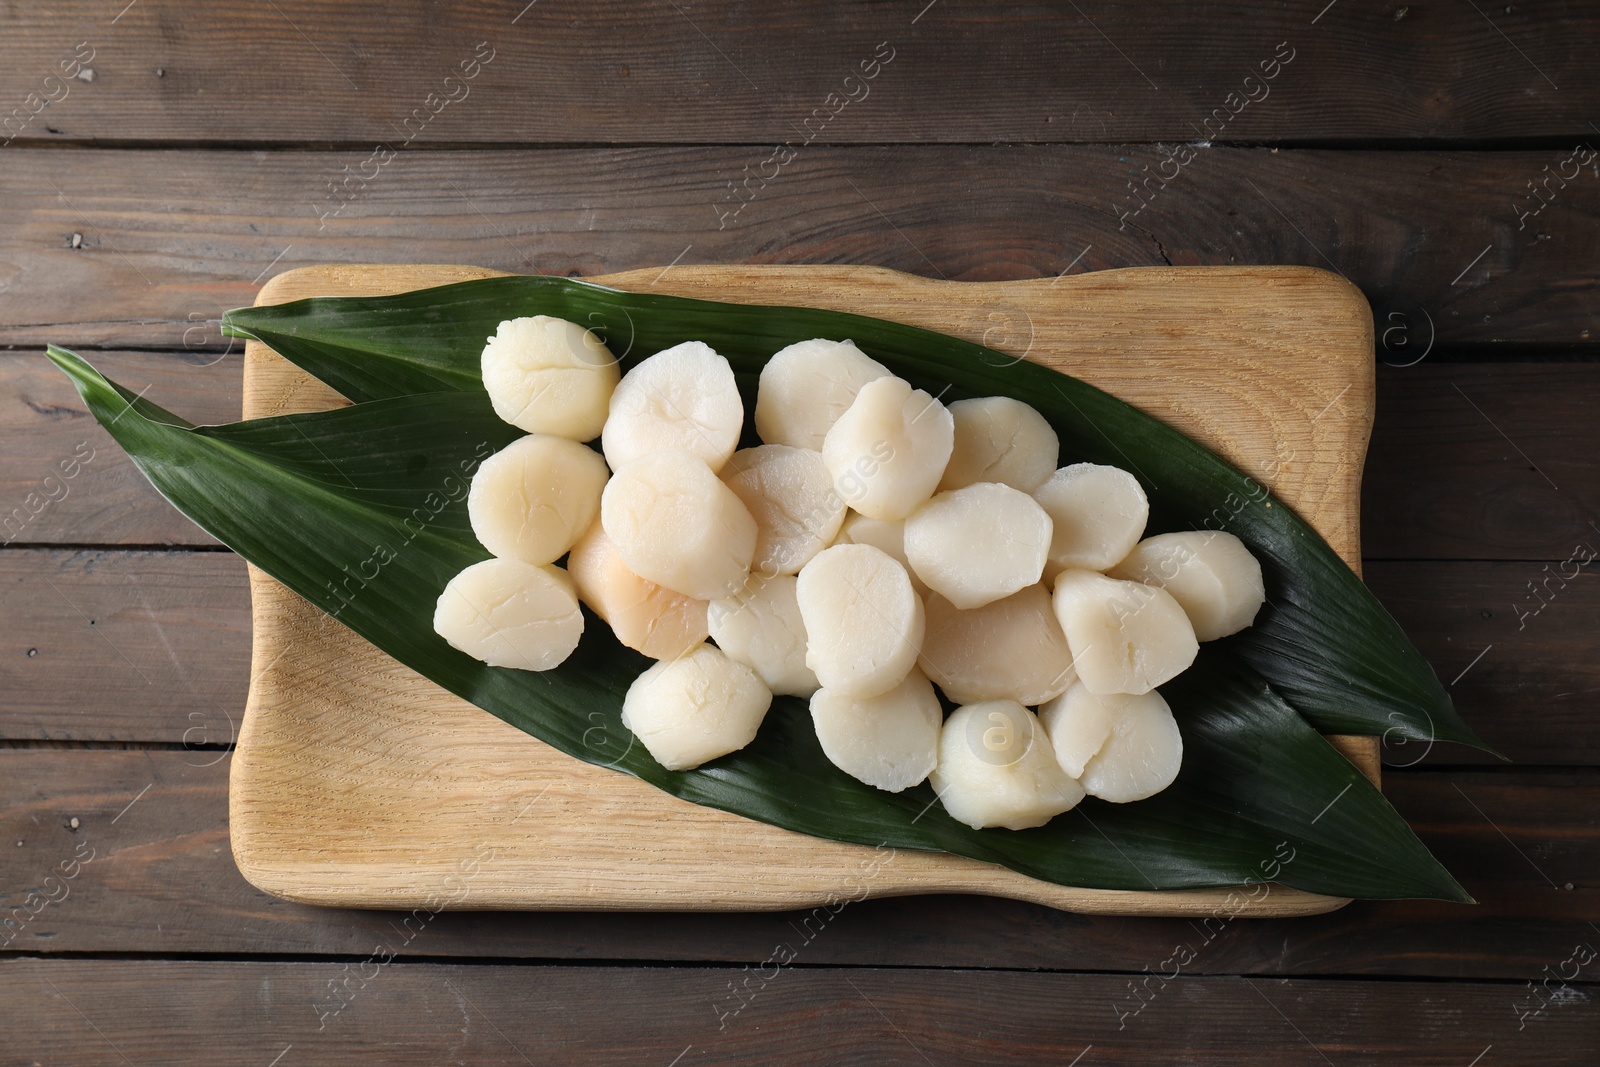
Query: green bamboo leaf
x,y
1325,642
309,497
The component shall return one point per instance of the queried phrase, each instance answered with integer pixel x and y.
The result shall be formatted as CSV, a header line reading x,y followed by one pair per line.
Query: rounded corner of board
x,y
274,291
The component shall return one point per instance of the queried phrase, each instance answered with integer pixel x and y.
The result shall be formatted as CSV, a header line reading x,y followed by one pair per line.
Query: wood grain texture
x,y
223,1014
123,646
357,782
172,239
565,71
1522,665
1484,461
104,500
162,881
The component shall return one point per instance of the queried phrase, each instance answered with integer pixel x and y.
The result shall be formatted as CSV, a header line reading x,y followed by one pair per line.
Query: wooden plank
x,y
79,687
123,646
1484,461
63,480
1185,344
1523,666
162,881
567,72
167,236
1441,481
130,1011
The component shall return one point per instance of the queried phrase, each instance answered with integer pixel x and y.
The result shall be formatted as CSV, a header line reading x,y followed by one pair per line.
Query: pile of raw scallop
x,y
879,548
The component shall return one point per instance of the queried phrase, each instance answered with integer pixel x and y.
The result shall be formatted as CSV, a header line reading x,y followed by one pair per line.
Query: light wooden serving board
x,y
357,782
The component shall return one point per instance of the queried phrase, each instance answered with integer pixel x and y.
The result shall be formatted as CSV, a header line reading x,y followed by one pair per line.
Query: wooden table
x,y
1436,155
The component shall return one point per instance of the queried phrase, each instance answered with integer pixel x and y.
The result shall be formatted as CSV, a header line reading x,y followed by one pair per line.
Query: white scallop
x,y
695,708
863,620
1079,722
681,398
644,616
998,439
1120,747
548,375
977,544
806,387
790,495
534,498
1125,637
760,626
888,451
508,613
887,535
676,524
1211,573
996,768
1099,514
1011,649
889,741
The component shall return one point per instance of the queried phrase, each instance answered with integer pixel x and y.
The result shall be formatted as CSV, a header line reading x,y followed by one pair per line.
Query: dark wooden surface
x,y
171,237
1395,146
